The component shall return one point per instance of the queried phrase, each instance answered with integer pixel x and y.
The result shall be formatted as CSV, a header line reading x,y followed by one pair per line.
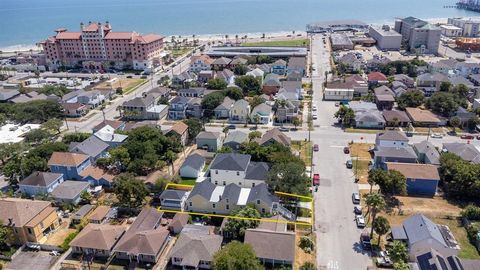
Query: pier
x,y
472,5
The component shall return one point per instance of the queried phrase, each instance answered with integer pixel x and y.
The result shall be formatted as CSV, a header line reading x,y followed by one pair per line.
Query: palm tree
x,y
236,38
170,157
381,227
256,119
375,203
225,131
263,36
226,38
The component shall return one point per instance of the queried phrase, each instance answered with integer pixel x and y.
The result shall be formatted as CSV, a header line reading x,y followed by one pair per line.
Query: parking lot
x,y
29,260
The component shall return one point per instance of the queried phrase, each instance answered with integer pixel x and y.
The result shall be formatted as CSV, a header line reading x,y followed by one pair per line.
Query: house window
x,y
258,201
30,230
216,171
224,183
227,207
190,203
213,205
238,173
263,210
216,182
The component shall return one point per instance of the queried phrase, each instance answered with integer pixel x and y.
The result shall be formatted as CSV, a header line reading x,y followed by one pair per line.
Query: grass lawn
x,y
279,43
360,158
180,51
305,149
360,150
133,85
432,130
188,181
359,130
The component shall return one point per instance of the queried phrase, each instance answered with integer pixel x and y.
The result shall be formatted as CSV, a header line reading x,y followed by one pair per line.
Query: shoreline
x,y
22,48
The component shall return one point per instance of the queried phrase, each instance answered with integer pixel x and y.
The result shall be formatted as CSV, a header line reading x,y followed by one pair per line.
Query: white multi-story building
x,y
470,27
237,169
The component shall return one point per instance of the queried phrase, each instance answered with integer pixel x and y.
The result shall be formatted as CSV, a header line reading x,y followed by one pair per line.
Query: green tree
x,y
249,84
346,115
445,86
236,227
398,252
443,103
36,136
289,177
264,59
307,244
58,90
236,256
234,93
130,192
381,226
255,101
210,102
75,137
413,99
86,196
225,149
375,203
7,236
473,122
194,127
455,122
37,111
254,135
119,157
401,266
3,119
308,266
216,84
163,101
240,70
390,182
296,122
170,157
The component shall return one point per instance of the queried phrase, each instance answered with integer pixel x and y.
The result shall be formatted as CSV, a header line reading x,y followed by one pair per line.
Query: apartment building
x,y
418,36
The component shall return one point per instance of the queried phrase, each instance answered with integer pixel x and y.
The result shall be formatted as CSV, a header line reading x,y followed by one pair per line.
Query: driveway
x,y
28,260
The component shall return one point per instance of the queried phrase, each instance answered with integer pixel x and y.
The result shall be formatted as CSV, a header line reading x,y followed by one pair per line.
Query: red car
x,y
316,179
346,150
315,147
467,137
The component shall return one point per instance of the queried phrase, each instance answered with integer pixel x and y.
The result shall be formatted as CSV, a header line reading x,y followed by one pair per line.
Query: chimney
x,y
10,222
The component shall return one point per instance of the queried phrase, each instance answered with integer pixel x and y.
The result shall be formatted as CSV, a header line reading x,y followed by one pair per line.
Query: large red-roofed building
x,y
97,47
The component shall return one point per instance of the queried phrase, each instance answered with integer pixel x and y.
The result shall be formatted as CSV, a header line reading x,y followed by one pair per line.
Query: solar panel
x,y
442,262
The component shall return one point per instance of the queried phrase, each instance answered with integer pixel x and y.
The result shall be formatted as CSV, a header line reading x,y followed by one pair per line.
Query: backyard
x,y
279,43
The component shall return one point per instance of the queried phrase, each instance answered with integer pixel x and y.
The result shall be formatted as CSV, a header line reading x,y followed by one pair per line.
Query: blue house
x,y
68,164
93,147
178,108
40,183
422,179
96,176
279,67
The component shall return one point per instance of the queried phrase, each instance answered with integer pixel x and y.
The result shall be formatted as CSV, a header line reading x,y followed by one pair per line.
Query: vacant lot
x,y
361,160
301,256
305,150
279,43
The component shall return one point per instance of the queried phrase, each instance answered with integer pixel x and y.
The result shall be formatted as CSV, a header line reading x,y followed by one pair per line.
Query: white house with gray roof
x,y
391,138
210,141
421,235
231,168
40,182
192,166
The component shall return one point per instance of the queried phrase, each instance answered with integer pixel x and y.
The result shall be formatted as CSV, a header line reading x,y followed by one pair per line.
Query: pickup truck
x,y
316,179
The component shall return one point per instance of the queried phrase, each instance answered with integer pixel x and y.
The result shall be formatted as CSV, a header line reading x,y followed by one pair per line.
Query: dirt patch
x,y
59,235
301,256
360,160
124,83
360,150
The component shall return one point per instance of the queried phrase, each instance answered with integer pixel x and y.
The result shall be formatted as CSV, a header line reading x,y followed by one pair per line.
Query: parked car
x,y
360,220
357,209
337,104
283,129
316,179
355,198
467,137
314,108
315,147
346,150
383,260
436,136
365,240
349,164
231,127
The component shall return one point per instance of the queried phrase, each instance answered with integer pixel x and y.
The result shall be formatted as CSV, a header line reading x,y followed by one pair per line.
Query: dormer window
x,y
258,201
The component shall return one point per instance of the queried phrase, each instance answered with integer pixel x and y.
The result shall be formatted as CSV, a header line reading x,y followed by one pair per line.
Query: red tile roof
x,y
377,76
120,35
68,35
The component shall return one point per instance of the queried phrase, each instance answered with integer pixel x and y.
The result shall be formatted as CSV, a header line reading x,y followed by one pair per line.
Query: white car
x,y
360,221
436,135
314,108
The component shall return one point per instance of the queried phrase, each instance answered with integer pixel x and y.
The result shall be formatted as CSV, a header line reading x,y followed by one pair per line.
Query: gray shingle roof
x,y
194,161
92,147
392,135
42,179
231,192
236,136
467,152
429,150
208,135
171,194
203,189
419,227
193,248
260,192
230,161
399,152
279,246
226,104
257,171
69,189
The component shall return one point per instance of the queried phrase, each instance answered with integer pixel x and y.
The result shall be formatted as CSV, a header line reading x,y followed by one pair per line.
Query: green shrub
x,y
306,243
471,212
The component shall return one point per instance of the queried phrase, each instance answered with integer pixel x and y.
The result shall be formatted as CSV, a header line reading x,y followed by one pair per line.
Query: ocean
x,y
26,22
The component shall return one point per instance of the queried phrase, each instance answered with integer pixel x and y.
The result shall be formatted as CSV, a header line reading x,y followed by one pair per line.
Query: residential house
x,y
40,183
107,135
116,125
272,247
194,250
405,79
97,240
193,166
464,115
435,260
210,141
220,63
200,63
226,75
266,68
294,87
261,114
423,118
346,89
279,67
145,107
257,73
444,66
228,168
287,111
422,179
183,80
97,176
68,164
194,108
271,84
235,139
427,153
274,135
81,213
391,138
206,197
100,214
421,235
74,109
180,130
369,119
467,68
173,199
458,80
276,223
222,111
240,111
7,94
376,78
238,61
145,240
206,75
296,64
384,97
294,76
382,155
179,221
398,88
30,220
191,92
92,147
91,98
160,92
351,62
466,151
396,118
69,191
178,108
431,82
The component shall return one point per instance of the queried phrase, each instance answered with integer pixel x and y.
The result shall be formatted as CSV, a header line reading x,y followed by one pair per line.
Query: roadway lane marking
x,y
337,146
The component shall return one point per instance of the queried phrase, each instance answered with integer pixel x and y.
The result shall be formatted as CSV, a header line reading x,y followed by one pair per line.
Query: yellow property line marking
x,y
225,216
293,195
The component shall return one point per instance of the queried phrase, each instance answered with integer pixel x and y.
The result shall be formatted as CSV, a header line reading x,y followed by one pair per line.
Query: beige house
x,y
31,220
97,239
240,111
